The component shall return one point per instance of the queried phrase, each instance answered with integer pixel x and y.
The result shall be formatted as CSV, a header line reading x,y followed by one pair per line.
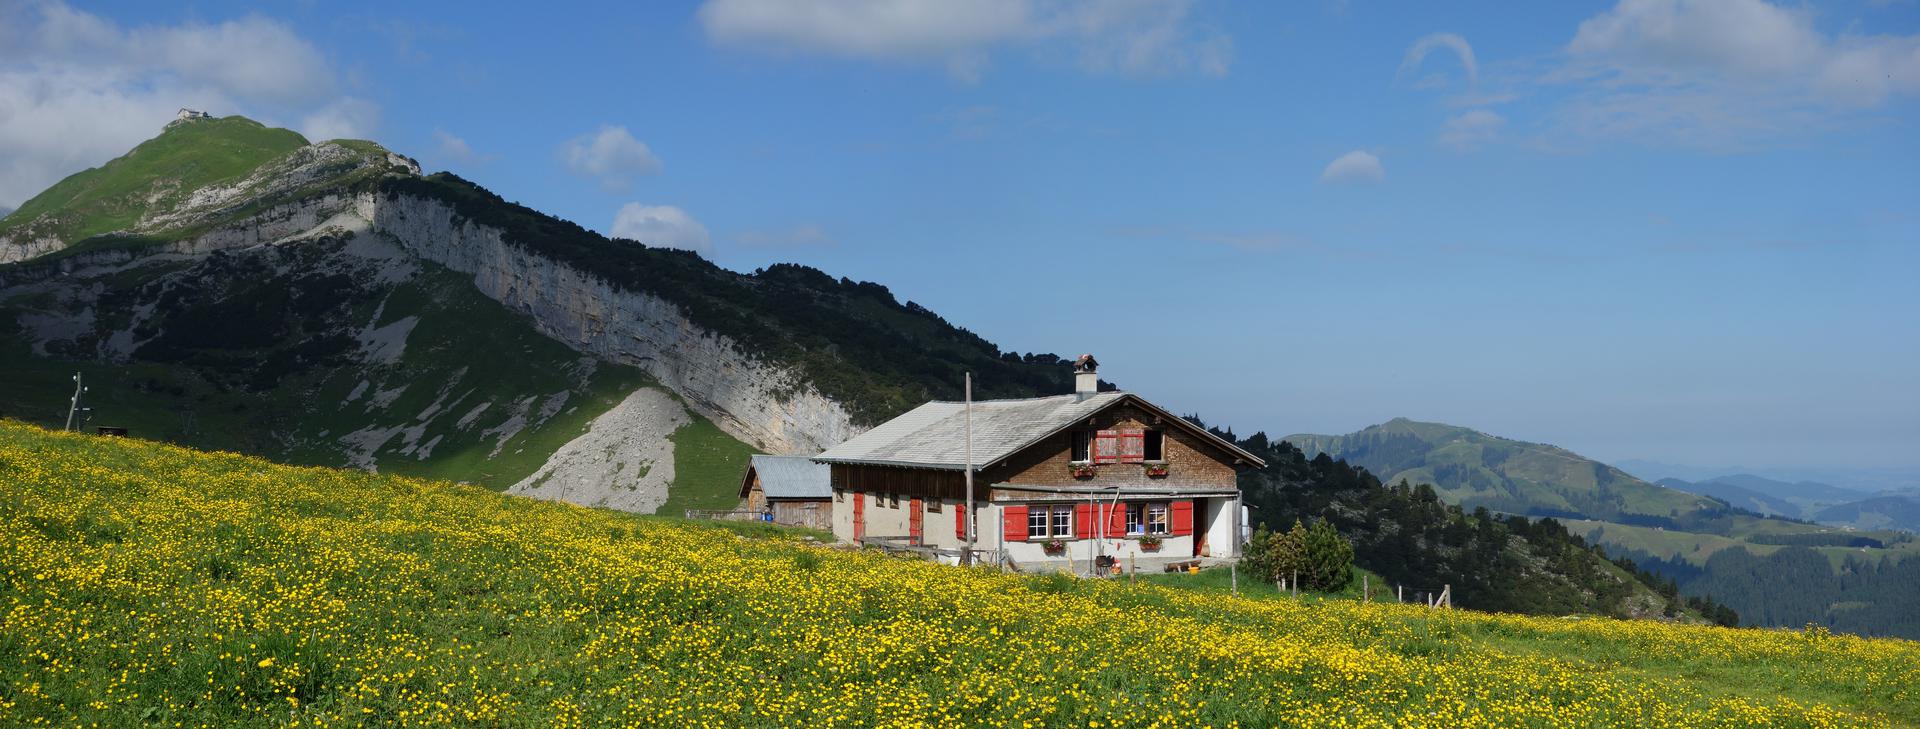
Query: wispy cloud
x,y
1133,37
1471,129
1723,74
660,226
77,89
1358,166
611,155
1417,54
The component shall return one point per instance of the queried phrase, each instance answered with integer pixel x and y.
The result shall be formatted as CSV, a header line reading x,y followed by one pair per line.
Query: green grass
x,y
153,585
707,467
112,197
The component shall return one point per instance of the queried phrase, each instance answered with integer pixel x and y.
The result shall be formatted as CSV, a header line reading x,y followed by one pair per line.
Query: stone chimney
x,y
1086,379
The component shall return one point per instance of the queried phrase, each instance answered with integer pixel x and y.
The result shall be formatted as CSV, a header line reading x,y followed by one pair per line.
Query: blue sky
x,y
1682,231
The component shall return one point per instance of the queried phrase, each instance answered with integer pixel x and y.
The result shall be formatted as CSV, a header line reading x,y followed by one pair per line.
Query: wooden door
x,y
859,517
916,519
1199,527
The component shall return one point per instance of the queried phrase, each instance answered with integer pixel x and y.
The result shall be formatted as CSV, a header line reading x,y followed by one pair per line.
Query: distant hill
x,y
1810,500
1879,512
1738,496
1710,544
1474,469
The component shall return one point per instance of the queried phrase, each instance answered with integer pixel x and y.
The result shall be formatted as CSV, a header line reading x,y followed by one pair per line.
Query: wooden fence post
x,y
1366,590
1295,583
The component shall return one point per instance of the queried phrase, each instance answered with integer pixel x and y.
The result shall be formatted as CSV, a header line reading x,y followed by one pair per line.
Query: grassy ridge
x,y
145,583
188,156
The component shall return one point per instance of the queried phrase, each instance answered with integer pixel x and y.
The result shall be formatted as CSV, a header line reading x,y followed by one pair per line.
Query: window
x,y
1136,518
893,501
1082,446
839,496
1037,522
933,506
1050,521
1154,446
1157,519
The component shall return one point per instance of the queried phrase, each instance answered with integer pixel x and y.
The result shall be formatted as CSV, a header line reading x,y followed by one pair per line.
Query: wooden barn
x,y
1060,482
792,490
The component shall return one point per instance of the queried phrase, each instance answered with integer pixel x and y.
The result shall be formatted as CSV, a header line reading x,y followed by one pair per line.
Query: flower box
x,y
1150,544
1156,470
1082,470
1054,547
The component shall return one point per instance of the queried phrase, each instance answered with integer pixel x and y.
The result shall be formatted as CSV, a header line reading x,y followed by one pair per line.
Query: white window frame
x,y
1045,515
1062,521
1136,518
1159,519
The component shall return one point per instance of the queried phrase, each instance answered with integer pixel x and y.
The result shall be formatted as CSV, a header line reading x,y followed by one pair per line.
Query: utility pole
x,y
73,405
967,558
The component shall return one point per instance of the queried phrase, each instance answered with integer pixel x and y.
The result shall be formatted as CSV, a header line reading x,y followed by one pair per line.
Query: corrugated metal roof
x,y
793,477
932,435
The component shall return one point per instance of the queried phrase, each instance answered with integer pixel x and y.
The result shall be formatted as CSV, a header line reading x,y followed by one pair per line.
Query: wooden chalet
x,y
791,490
1059,482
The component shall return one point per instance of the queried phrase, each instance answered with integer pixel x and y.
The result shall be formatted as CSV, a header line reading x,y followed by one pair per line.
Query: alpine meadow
x,y
1009,363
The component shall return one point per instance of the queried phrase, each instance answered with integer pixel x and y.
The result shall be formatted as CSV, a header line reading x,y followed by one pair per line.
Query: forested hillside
x,y
1408,535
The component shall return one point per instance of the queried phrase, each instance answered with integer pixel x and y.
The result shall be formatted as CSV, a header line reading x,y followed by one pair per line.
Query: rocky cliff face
x,y
753,400
759,402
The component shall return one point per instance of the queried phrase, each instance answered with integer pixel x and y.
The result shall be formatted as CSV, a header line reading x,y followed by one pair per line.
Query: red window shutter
x,y
960,521
1117,519
1133,446
1013,523
1182,517
1083,521
1106,447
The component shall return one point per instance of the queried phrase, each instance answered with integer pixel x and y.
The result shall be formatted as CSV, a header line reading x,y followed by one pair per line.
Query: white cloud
x,y
1472,129
456,150
1356,166
77,90
1135,37
799,235
1417,53
611,154
660,226
345,118
1723,73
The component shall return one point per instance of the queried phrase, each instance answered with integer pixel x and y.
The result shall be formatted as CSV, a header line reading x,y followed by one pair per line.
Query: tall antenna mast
x,y
73,404
967,558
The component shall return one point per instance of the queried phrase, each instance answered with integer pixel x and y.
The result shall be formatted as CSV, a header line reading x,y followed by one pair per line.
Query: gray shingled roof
x,y
931,436
793,477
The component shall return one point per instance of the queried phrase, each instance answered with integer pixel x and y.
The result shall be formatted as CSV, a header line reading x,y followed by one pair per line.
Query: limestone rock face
x,y
759,402
756,401
624,461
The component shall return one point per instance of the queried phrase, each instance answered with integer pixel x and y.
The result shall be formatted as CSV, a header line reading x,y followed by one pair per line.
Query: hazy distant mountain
x,y
5,211
1865,481
1473,469
1879,512
1740,496
1817,502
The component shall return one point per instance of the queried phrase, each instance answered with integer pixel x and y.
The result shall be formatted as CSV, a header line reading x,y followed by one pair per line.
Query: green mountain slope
x,y
1474,469
156,175
1674,534
226,285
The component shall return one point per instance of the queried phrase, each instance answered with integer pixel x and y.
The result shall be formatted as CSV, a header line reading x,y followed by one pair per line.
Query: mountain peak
x,y
198,172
